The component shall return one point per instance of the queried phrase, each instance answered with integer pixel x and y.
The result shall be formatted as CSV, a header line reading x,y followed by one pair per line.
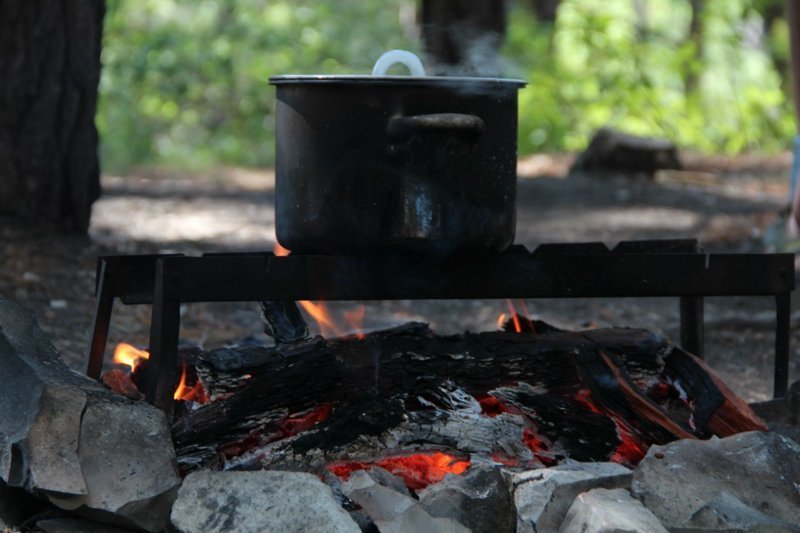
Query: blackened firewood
x,y
298,385
377,427
437,382
283,322
572,430
718,410
612,387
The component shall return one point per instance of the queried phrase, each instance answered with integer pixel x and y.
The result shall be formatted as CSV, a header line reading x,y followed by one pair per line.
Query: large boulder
x,y
392,511
542,497
604,510
64,436
762,470
478,498
211,502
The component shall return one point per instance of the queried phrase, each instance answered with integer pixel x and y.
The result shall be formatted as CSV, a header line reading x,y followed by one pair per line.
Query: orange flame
x,y
195,393
279,250
126,354
501,320
327,325
355,319
417,470
178,394
514,316
319,312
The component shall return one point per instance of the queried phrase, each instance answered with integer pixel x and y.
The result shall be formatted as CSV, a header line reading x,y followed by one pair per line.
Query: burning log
x,y
517,398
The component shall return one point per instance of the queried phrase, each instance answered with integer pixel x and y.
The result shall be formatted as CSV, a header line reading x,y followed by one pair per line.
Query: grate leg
x,y
783,311
102,319
692,325
164,331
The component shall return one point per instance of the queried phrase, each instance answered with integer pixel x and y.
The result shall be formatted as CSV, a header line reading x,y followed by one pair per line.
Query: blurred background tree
x,y
185,81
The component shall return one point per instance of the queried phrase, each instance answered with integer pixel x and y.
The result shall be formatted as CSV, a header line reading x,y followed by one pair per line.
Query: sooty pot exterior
x,y
370,164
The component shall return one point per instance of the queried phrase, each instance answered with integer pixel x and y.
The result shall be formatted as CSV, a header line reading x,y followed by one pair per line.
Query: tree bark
x,y
49,75
545,10
692,79
463,37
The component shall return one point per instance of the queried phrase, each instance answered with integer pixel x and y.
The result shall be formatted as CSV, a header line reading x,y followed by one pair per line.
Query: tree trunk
x,y
770,13
545,10
49,74
693,70
462,37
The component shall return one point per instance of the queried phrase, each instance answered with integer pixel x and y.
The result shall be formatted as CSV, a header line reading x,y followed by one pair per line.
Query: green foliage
x,y
185,81
601,65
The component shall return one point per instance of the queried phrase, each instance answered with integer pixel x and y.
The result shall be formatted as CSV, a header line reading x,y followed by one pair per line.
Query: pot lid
x,y
344,79
417,78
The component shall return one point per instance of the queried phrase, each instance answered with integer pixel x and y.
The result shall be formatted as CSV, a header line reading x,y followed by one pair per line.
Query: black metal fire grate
x,y
672,268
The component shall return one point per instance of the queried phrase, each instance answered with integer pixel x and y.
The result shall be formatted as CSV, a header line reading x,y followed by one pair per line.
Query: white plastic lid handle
x,y
391,57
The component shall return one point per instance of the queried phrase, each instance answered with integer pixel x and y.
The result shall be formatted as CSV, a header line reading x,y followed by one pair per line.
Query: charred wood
x,y
564,394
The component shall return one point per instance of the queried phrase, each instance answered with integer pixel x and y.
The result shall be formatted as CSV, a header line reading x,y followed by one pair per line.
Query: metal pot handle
x,y
391,57
466,126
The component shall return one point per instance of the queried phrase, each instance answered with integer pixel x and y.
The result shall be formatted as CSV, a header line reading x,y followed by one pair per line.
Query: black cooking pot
x,y
395,163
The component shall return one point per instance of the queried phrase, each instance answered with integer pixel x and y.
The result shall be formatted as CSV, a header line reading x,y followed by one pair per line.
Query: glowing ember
x,y
279,250
491,406
632,448
298,423
126,354
501,320
417,470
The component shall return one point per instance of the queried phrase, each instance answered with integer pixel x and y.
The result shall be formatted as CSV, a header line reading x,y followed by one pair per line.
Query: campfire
x,y
406,410
493,430
527,427
420,405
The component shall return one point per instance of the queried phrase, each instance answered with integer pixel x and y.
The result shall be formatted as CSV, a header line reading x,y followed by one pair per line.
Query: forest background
x,y
184,82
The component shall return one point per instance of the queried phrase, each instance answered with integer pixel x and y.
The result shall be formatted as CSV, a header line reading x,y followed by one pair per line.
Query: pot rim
x,y
464,82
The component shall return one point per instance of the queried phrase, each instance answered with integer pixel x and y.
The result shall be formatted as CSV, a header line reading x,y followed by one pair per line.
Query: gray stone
x,y
542,497
76,525
34,381
784,410
65,437
762,470
128,463
607,511
16,506
258,501
478,499
393,512
387,479
726,511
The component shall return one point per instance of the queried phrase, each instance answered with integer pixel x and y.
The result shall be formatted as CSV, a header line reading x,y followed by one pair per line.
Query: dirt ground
x,y
726,203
